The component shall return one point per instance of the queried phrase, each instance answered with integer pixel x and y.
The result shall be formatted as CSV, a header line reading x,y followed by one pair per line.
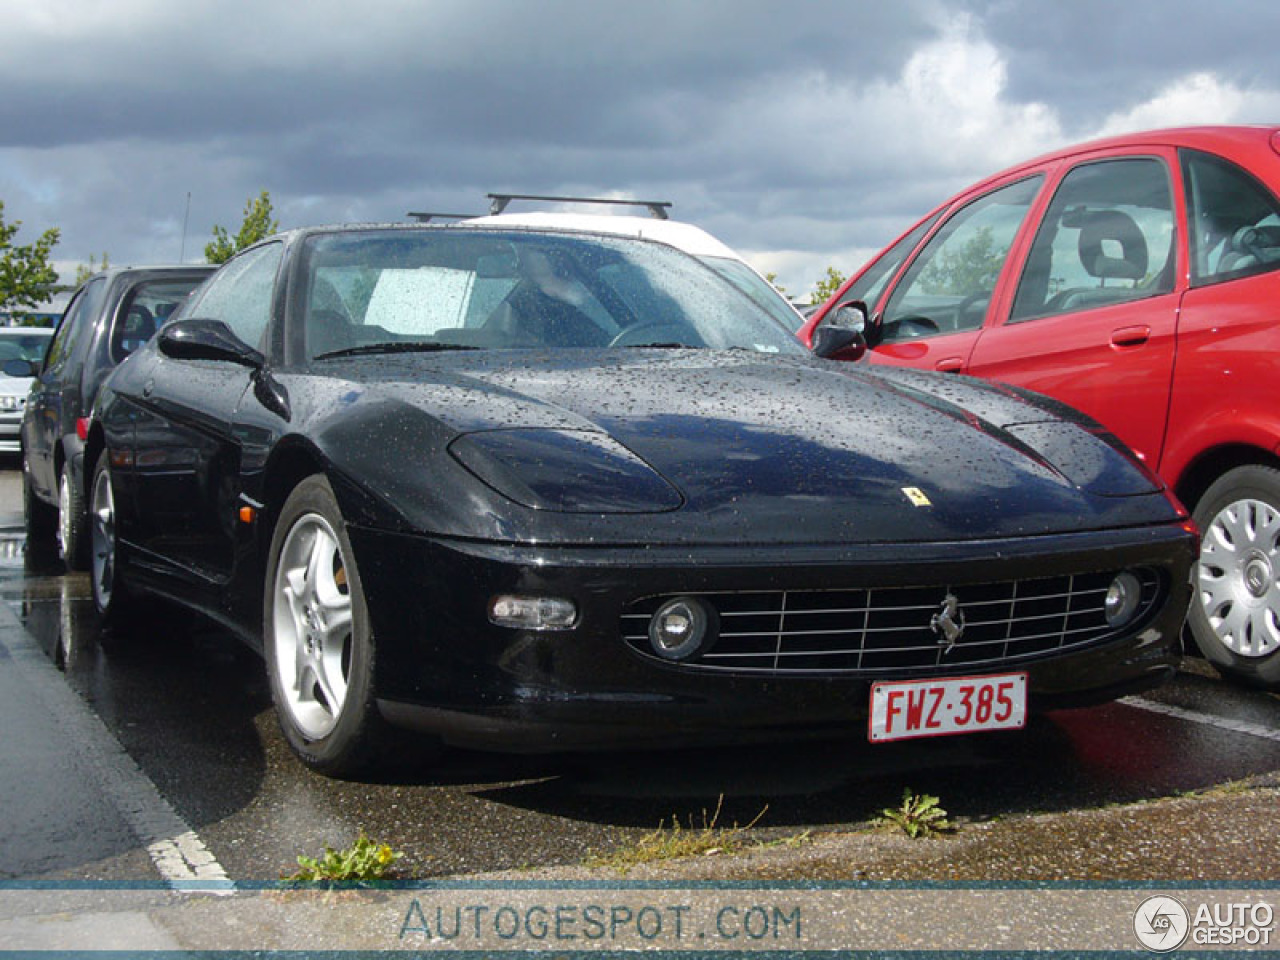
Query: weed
x,y
364,862
919,816
679,841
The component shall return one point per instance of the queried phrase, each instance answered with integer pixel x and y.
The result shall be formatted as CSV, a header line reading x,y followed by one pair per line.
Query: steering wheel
x,y
908,328
630,336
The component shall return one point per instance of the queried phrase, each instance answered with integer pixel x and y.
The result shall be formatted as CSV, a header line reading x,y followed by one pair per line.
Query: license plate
x,y
937,708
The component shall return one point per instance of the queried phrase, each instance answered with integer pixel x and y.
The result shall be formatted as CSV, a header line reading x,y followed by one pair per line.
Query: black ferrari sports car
x,y
538,490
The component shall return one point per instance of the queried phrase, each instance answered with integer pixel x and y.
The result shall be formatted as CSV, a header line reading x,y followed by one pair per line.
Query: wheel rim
x,y
1239,577
103,513
312,626
64,515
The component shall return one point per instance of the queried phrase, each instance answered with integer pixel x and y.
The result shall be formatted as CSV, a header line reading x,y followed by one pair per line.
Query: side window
x,y
241,293
1107,238
1235,221
949,285
871,284
144,311
81,312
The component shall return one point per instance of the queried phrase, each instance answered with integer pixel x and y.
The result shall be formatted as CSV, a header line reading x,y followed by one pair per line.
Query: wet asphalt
x,y
107,749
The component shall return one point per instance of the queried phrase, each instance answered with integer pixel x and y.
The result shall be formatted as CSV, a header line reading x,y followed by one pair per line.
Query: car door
x,y
1091,316
935,313
46,422
186,462
1228,339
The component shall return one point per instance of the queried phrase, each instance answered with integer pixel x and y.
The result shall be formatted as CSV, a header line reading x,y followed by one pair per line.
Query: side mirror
x,y
17,367
198,338
850,315
843,335
838,343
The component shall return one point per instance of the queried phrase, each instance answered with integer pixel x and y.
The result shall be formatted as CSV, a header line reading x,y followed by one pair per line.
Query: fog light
x,y
533,613
1123,597
682,628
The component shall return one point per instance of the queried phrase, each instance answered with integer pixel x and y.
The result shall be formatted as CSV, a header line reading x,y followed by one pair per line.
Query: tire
x,y
1235,613
317,639
117,607
40,519
73,543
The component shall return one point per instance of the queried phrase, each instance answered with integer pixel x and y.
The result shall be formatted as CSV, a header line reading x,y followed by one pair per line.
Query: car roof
x,y
1210,138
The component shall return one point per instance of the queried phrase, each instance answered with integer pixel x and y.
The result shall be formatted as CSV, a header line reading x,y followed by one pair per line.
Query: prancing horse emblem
x,y
949,624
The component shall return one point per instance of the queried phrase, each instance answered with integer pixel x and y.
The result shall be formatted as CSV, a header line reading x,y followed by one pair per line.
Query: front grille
x,y
889,630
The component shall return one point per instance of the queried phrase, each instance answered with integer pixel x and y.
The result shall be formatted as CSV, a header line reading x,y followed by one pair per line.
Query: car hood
x,y
680,446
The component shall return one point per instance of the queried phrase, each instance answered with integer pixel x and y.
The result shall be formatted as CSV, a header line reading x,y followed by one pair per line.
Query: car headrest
x,y
1112,247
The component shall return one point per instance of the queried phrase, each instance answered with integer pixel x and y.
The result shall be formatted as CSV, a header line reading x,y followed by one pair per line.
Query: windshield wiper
x,y
661,345
397,346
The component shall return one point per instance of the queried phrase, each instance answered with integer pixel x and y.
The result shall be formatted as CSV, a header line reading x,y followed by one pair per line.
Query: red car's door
x,y
934,315
1090,317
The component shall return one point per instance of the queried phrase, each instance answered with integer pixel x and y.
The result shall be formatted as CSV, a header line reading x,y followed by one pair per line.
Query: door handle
x,y
148,388
949,365
1130,336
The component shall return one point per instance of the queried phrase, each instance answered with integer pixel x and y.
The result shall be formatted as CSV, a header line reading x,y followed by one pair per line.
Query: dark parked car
x,y
544,490
1136,279
109,317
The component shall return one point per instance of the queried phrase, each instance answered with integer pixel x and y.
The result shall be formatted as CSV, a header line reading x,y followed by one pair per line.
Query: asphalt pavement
x,y
67,779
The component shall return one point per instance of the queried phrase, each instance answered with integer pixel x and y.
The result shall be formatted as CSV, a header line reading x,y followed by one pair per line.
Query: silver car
x,y
17,343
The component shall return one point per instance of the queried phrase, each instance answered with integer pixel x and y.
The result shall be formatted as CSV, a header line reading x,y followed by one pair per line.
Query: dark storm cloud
x,y
805,132
1097,56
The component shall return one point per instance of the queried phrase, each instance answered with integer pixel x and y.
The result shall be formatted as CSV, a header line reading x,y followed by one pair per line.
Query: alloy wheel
x,y
103,543
312,626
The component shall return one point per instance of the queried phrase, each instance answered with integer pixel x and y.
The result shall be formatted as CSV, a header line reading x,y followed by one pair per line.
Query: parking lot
x,y
172,760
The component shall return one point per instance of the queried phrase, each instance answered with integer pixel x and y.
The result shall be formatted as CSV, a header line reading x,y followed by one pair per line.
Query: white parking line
x,y
1222,723
176,850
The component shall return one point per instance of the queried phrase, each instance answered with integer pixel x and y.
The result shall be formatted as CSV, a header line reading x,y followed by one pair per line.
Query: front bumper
x,y
444,669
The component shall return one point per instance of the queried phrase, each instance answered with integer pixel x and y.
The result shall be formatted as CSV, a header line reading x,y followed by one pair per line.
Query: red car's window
x,y
1234,220
871,284
949,285
1107,237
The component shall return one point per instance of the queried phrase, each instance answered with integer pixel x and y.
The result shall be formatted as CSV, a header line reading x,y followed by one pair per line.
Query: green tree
x,y
825,288
257,225
84,272
26,275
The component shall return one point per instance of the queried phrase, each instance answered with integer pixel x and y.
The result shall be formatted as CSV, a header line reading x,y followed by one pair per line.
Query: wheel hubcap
x,y
311,620
1238,587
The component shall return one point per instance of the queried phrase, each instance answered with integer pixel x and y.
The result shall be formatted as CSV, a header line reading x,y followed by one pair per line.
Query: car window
x,y
81,311
949,285
1107,237
762,293
876,277
144,310
1234,220
371,291
240,293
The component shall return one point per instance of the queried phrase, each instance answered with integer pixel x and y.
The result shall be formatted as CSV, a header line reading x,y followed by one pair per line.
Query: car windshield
x,y
762,293
439,288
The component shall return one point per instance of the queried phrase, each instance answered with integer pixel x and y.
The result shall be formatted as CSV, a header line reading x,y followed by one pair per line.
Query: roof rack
x,y
428,216
498,202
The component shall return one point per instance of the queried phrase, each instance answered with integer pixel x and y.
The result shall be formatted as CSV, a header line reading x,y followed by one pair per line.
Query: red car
x,y
1138,280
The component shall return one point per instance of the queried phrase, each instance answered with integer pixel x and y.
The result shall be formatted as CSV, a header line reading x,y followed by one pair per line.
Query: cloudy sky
x,y
804,133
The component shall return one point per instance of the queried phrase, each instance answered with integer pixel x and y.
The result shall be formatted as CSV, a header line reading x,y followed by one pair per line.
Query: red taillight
x,y
82,428
1275,141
